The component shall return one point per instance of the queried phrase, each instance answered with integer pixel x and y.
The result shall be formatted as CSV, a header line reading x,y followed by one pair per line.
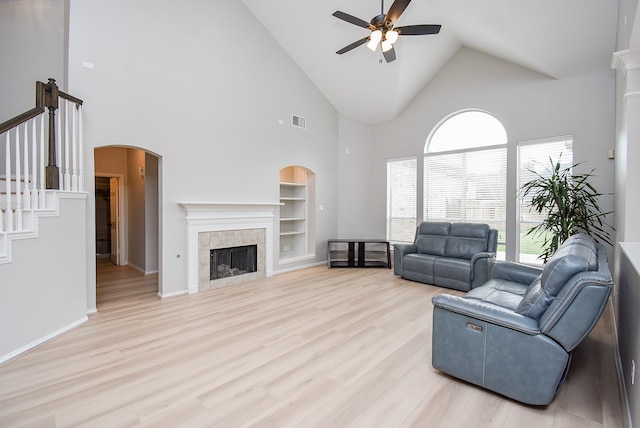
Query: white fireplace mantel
x,y
220,216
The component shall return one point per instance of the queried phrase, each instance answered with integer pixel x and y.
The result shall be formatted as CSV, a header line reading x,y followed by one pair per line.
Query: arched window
x,y
466,130
465,171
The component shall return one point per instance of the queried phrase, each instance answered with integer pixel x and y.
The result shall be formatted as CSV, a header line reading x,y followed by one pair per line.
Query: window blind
x,y
401,199
467,186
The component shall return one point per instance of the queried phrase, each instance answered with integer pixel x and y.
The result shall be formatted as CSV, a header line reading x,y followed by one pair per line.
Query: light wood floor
x,y
314,348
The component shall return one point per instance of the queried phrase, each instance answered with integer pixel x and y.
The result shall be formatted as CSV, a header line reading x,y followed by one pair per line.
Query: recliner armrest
x,y
399,251
479,256
487,312
515,272
404,249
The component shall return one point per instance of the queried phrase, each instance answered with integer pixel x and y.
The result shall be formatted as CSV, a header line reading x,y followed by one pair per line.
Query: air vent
x,y
298,122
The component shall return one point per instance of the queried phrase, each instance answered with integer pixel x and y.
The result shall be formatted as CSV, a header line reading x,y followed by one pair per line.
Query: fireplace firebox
x,y
233,261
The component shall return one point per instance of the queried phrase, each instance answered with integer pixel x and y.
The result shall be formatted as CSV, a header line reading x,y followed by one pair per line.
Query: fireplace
x,y
212,225
232,261
228,257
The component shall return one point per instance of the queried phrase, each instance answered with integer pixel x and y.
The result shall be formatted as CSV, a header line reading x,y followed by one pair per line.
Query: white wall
x,y
163,82
136,210
528,104
151,213
627,127
49,296
356,197
32,45
626,298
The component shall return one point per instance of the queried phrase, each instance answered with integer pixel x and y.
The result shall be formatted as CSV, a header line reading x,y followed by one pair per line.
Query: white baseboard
x,y
142,271
172,294
305,266
32,345
136,268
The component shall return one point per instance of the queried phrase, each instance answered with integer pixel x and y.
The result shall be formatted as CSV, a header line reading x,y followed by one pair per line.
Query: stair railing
x,y
43,150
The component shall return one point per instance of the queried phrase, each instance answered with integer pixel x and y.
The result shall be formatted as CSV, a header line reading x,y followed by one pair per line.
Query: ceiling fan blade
x,y
390,55
396,10
353,45
418,30
351,19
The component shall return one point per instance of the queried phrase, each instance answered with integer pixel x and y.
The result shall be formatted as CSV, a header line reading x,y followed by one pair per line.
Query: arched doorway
x,y
128,209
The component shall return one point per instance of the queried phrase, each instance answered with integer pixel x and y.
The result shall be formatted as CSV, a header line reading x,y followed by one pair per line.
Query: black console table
x,y
358,253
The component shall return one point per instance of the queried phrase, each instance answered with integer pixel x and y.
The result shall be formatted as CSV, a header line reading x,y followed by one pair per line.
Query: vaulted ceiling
x,y
556,38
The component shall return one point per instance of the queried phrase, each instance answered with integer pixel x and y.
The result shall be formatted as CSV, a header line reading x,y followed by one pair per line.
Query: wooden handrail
x,y
70,98
20,119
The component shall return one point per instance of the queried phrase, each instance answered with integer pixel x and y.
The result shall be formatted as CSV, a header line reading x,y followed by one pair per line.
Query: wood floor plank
x,y
315,348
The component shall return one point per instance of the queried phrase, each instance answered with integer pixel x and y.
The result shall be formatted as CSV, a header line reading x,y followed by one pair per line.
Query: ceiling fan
x,y
383,32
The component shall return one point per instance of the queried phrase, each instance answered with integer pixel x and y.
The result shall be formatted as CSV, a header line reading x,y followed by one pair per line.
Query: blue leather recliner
x,y
514,335
452,255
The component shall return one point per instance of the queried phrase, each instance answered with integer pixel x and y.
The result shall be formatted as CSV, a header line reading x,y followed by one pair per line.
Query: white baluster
x,y
7,169
34,165
41,176
80,150
26,193
18,211
74,148
67,150
59,148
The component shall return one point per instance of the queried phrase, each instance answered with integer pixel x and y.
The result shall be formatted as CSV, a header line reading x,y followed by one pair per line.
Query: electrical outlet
x,y
287,248
633,372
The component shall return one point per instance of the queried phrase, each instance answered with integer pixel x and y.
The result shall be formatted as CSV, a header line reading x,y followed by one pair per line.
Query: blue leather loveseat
x,y
452,255
514,335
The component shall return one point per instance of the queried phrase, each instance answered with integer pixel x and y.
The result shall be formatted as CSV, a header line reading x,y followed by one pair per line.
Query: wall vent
x,y
298,122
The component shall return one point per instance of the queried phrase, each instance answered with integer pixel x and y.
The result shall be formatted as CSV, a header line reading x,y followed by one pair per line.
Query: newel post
x,y
51,102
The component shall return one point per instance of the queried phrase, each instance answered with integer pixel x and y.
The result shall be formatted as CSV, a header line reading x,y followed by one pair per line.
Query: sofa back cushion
x,y
431,237
466,240
574,255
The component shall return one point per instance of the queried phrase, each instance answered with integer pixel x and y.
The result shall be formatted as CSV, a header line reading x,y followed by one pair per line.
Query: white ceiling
x,y
557,38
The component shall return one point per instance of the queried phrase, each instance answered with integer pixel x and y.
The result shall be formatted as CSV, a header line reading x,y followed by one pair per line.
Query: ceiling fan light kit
x,y
374,39
382,29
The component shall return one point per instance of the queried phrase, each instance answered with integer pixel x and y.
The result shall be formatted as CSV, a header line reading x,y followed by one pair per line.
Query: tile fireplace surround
x,y
226,224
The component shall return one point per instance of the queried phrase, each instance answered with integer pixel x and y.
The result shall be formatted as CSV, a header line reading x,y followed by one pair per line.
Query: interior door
x,y
115,219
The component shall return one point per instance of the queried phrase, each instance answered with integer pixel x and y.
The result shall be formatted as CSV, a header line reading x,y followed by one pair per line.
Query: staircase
x,y
42,160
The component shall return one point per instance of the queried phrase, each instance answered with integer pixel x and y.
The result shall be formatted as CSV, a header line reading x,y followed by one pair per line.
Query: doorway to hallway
x,y
127,209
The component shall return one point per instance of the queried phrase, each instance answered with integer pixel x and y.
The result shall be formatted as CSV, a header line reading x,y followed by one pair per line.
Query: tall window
x,y
537,156
465,172
401,199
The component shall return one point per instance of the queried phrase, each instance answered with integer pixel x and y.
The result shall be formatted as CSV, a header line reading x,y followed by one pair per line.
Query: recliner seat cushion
x,y
500,292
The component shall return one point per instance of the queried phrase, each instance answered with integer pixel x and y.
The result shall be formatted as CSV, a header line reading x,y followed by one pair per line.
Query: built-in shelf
x,y
293,213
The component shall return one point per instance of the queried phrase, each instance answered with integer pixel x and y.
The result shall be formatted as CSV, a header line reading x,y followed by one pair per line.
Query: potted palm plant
x,y
569,203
